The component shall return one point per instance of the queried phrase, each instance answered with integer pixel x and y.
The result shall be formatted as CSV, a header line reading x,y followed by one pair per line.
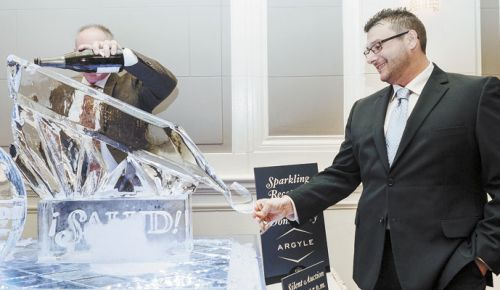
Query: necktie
x,y
397,123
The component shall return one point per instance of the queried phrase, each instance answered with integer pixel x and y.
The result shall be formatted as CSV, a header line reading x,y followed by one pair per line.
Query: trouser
x,y
468,278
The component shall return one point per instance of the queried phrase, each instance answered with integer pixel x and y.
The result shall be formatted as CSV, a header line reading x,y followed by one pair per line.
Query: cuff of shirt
x,y
294,217
129,57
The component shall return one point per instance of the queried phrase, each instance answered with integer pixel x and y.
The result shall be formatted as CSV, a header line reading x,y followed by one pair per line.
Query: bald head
x,y
89,34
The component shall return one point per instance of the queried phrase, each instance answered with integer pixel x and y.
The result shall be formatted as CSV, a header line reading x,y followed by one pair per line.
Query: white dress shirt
x,y
415,86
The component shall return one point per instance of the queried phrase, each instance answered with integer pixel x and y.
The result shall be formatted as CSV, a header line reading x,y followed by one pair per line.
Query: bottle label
x,y
109,69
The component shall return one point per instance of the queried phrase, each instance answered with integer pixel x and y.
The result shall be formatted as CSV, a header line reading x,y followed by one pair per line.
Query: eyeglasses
x,y
377,46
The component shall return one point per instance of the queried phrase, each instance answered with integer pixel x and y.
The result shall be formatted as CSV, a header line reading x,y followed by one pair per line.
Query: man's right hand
x,y
267,211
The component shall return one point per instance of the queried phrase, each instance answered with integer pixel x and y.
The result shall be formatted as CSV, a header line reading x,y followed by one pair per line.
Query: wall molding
x,y
205,199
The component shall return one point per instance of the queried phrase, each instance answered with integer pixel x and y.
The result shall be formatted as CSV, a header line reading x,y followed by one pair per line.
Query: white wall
x,y
490,40
305,65
189,37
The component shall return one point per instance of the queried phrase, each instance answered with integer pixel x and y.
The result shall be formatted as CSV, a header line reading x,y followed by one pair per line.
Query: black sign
x,y
286,249
310,278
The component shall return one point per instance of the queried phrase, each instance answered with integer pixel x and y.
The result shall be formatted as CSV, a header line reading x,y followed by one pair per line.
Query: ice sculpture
x,y
12,204
64,133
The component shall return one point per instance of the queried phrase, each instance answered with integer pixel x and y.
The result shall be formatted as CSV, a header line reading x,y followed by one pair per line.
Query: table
x,y
230,263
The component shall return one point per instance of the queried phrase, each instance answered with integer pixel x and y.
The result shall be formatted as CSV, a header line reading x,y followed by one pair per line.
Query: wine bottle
x,y
84,61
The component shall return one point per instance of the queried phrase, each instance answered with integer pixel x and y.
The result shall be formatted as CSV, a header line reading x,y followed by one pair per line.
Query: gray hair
x,y
98,27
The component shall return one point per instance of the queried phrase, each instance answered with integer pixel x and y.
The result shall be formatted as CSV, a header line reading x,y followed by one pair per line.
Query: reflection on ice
x,y
64,133
12,204
115,181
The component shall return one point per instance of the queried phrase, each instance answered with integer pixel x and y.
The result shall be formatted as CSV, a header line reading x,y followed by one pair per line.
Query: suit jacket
x,y
143,85
434,196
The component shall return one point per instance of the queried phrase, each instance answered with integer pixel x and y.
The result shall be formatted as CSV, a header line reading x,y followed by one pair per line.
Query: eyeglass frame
x,y
370,49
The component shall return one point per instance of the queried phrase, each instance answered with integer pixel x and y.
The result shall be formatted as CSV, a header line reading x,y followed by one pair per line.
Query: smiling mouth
x,y
380,67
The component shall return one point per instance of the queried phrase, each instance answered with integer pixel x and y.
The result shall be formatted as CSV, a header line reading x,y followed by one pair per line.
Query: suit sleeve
x,y
332,184
487,232
153,81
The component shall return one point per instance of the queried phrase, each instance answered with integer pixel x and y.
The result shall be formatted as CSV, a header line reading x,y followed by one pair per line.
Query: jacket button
x,y
390,182
381,220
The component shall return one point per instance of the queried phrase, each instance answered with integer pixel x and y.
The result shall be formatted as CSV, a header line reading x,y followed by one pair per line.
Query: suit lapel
x,y
110,84
432,93
379,120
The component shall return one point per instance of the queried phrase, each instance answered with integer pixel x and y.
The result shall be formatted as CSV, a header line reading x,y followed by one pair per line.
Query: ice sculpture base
x,y
215,263
114,230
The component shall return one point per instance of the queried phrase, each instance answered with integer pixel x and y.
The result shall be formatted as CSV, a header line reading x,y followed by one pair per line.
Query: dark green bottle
x,y
84,61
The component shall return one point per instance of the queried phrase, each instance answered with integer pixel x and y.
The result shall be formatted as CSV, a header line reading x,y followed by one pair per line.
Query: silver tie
x,y
397,123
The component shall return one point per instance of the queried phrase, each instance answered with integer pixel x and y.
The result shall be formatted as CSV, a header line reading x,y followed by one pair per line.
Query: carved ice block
x,y
114,230
115,181
13,205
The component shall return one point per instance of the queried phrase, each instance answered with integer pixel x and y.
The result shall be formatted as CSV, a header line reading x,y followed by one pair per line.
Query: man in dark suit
x,y
144,83
427,151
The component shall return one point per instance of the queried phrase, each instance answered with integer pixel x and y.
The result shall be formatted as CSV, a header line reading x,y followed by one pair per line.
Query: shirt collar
x,y
416,86
100,83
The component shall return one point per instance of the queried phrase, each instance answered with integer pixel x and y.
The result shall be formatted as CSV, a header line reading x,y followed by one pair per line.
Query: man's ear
x,y
412,39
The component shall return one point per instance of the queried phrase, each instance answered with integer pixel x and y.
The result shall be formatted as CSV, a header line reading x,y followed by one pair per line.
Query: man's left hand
x,y
104,48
